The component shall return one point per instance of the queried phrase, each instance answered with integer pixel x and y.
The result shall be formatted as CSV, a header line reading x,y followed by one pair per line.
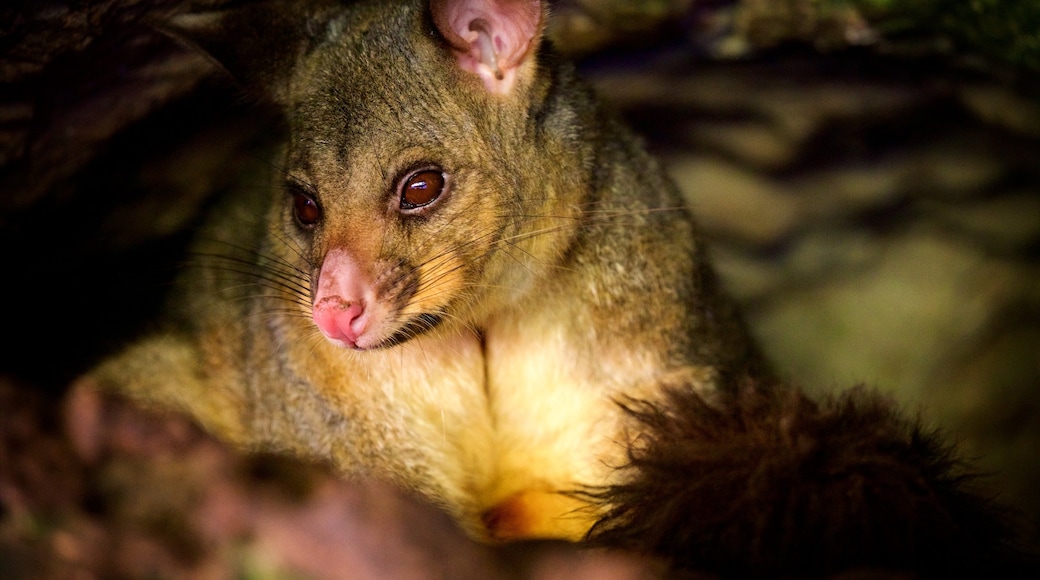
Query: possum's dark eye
x,y
305,207
421,188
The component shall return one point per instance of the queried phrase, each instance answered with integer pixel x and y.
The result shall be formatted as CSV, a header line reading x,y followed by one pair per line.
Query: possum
x,y
466,277
462,262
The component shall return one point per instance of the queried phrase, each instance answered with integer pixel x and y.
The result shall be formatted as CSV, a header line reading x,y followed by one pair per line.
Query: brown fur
x,y
769,482
563,269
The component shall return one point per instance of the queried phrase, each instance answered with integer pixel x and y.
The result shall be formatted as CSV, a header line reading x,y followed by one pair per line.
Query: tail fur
x,y
773,483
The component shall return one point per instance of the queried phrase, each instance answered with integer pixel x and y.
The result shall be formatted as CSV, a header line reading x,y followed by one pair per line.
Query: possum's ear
x,y
258,44
491,38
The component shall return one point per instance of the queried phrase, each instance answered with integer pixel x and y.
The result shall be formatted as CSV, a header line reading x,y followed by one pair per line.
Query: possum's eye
x,y
305,207
421,188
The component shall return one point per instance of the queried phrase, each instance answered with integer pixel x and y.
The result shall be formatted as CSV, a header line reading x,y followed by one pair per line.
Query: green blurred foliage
x,y
1005,30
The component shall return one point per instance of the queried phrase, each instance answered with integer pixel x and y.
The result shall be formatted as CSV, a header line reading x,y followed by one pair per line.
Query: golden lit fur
x,y
557,274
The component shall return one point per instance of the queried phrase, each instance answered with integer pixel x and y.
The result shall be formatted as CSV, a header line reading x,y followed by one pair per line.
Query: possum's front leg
x,y
167,371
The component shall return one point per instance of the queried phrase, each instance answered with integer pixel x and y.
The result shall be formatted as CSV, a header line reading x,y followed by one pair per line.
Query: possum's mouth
x,y
414,327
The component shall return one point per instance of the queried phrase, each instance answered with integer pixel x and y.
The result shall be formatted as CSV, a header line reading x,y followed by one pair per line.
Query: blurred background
x,y
868,173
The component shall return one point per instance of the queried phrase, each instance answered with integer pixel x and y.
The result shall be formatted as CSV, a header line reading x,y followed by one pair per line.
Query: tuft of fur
x,y
769,482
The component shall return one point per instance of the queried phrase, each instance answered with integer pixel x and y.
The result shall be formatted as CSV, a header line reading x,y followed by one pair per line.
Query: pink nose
x,y
340,320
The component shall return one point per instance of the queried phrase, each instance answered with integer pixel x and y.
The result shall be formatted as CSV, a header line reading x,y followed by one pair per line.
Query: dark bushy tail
x,y
772,483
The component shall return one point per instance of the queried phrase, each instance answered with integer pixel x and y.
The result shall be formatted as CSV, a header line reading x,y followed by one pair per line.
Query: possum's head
x,y
420,185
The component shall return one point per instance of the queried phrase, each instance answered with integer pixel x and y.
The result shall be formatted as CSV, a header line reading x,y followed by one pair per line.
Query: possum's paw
x,y
769,482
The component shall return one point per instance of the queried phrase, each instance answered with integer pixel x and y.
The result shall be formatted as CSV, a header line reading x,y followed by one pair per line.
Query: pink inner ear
x,y
491,38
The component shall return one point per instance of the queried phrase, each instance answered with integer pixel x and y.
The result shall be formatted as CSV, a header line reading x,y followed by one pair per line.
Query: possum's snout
x,y
341,320
346,308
